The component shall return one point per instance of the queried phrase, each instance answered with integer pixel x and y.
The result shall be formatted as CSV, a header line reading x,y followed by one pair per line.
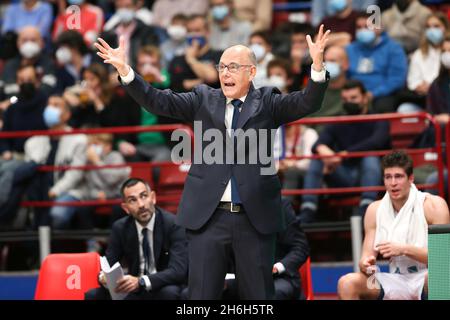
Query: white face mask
x,y
445,59
277,81
125,15
29,49
258,50
177,33
63,55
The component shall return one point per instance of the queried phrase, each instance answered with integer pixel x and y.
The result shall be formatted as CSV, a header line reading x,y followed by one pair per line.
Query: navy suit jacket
x,y
169,246
264,108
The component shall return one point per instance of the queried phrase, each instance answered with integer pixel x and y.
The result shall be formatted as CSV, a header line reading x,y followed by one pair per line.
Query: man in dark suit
x,y
291,252
149,244
229,208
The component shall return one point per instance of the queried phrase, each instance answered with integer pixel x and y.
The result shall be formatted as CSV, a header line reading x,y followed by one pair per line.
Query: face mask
x,y
125,15
352,108
258,50
365,36
333,68
220,12
29,49
52,116
434,35
336,6
402,5
445,59
75,2
200,39
98,149
177,33
63,55
27,90
278,82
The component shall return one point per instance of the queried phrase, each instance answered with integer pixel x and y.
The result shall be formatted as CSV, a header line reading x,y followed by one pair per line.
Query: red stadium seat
x,y
305,276
67,276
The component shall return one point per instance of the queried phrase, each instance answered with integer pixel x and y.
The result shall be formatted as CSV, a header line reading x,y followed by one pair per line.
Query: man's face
x,y
139,202
29,34
146,60
365,23
354,95
27,75
397,183
338,55
197,27
59,103
236,84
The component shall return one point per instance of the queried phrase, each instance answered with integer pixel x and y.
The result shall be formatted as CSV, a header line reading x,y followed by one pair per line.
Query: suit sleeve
x,y
294,237
181,106
176,272
293,106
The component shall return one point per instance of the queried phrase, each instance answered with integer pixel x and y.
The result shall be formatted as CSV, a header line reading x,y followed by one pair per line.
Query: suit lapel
x,y
218,112
249,107
133,244
158,234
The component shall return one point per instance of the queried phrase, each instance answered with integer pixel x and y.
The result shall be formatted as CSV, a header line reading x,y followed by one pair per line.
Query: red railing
x,y
437,150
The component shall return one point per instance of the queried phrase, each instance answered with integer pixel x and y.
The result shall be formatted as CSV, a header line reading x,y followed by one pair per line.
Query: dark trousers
x,y
286,288
227,236
169,292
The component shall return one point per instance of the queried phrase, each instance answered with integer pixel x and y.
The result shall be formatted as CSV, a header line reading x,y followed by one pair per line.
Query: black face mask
x,y
402,5
27,90
351,108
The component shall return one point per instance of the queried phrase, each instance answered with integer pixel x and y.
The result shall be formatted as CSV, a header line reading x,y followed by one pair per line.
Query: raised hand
x,y
116,57
317,48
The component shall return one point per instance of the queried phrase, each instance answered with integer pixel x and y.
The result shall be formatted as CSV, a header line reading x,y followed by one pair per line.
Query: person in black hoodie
x,y
24,114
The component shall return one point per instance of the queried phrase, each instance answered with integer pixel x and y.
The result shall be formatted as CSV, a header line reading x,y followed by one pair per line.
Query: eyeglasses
x,y
232,67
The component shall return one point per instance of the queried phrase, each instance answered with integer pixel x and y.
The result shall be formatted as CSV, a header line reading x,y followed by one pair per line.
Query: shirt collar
x,y
241,98
150,225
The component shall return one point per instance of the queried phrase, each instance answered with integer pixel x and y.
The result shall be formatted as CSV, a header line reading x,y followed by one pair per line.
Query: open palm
x,y
116,57
317,48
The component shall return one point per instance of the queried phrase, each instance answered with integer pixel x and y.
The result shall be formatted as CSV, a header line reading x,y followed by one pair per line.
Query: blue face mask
x,y
336,6
434,35
365,36
200,39
333,68
75,2
52,116
220,12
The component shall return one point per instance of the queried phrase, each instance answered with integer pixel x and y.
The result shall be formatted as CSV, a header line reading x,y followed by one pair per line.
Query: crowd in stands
x,y
51,78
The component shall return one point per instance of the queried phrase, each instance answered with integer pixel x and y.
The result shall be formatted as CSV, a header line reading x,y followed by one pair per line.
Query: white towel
x,y
410,227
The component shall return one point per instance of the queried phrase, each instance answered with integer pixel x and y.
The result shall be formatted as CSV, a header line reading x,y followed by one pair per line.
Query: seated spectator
x,y
425,64
30,45
197,64
165,10
134,31
291,252
102,184
28,13
257,12
336,63
379,63
25,114
298,139
226,30
341,22
142,14
405,22
147,146
438,99
90,22
149,244
396,228
72,57
176,44
299,55
339,139
260,44
67,150
320,9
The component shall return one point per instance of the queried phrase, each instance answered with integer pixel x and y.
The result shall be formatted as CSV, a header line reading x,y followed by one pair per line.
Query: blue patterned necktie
x,y
235,199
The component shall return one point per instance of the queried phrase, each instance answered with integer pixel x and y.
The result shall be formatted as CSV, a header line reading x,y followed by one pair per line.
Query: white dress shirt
x,y
150,227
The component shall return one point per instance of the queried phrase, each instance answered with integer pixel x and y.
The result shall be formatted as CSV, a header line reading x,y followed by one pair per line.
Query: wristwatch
x,y
142,283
